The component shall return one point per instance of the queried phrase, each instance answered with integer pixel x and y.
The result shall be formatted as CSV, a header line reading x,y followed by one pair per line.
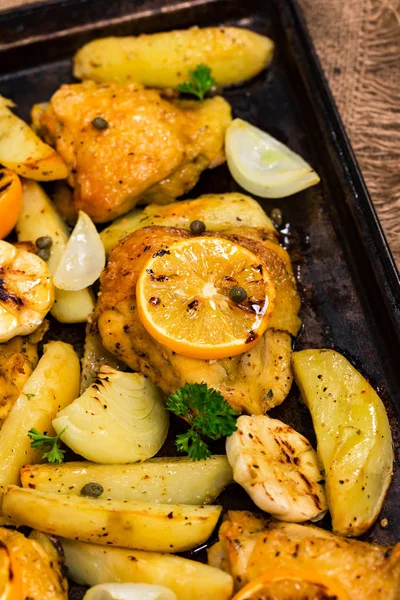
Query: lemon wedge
x,y
27,291
129,591
262,165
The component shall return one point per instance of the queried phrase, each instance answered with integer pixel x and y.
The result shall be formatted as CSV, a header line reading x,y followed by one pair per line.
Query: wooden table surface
x,y
358,43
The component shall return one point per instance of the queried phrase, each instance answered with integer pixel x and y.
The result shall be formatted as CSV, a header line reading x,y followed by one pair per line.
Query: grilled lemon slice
x,y
185,300
26,291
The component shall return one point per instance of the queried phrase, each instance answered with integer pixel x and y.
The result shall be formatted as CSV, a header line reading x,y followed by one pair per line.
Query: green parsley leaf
x,y
48,445
200,82
208,414
191,443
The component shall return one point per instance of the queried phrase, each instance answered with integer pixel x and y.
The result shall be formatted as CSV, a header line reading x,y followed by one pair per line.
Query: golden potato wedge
x,y
22,151
53,385
168,480
63,200
164,60
89,564
353,436
218,211
146,526
39,218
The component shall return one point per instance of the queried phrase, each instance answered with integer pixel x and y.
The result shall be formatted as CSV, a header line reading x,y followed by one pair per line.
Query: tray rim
x,y
364,213
348,162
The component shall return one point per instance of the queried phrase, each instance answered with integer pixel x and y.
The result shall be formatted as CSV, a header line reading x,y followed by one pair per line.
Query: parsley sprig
x,y
41,441
208,414
199,83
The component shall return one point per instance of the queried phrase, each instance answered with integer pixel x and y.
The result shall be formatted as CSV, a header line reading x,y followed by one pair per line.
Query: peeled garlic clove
x,y
278,468
84,257
129,591
262,165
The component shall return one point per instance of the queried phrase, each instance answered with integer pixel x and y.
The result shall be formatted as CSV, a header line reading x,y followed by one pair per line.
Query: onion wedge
x,y
263,166
84,257
120,418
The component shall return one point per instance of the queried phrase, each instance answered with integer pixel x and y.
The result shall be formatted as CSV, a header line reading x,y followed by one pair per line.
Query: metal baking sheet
x,y
349,284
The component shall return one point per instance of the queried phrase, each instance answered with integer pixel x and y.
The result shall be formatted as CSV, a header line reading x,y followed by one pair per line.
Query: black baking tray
x,y
348,280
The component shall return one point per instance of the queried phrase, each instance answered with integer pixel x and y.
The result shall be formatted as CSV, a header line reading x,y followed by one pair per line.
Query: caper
x,y
197,227
237,294
44,253
276,216
92,490
99,123
44,241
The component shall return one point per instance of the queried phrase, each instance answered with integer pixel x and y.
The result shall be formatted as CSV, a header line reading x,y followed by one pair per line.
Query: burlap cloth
x,y
358,42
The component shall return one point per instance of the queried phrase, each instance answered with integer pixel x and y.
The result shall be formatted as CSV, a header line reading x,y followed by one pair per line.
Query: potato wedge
x,y
164,60
167,480
53,385
89,564
39,218
21,150
218,211
146,526
353,436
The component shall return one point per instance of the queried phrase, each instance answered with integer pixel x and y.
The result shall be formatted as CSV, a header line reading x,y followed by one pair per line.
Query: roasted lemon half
x,y
26,291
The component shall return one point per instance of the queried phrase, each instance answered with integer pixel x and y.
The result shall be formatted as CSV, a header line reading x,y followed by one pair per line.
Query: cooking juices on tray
x,y
193,323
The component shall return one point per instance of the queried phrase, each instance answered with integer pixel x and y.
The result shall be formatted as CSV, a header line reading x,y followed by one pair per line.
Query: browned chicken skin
x,y
248,546
35,575
149,149
18,358
254,381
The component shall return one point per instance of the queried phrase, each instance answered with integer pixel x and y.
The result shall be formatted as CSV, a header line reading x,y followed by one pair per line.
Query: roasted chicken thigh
x,y
18,358
254,381
249,546
144,147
